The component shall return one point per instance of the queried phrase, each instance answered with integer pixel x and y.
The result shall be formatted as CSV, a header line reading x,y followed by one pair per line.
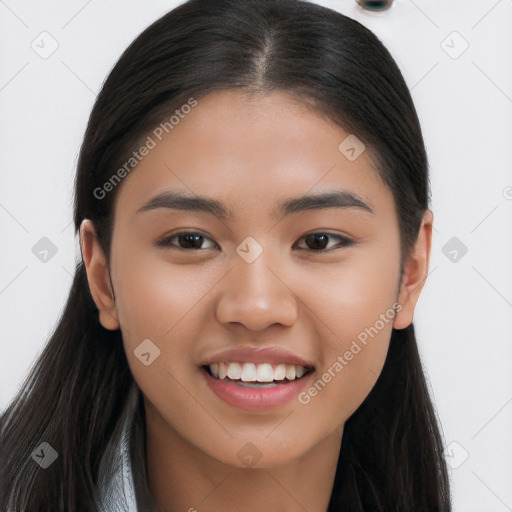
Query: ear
x,y
414,273
98,276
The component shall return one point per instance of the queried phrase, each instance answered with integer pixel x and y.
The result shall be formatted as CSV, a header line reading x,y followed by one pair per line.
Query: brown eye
x,y
185,240
318,242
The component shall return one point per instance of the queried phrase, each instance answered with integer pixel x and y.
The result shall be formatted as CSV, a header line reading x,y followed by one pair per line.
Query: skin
x,y
250,153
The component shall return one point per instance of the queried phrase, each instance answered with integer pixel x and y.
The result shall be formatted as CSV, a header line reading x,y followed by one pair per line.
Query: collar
x,y
116,487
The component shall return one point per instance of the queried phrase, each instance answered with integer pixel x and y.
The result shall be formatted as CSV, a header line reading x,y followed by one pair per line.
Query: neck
x,y
183,478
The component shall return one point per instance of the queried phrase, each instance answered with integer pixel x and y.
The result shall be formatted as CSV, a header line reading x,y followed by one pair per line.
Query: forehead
x,y
250,152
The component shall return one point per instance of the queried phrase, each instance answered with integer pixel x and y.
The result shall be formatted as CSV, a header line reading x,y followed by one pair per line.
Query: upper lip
x,y
273,355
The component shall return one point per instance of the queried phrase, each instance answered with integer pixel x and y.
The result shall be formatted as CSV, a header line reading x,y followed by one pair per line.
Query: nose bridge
x,y
254,294
256,278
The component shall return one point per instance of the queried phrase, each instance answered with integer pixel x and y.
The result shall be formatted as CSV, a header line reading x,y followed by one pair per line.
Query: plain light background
x,y
456,58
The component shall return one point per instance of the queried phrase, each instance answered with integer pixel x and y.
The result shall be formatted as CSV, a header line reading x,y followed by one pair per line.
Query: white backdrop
x,y
457,60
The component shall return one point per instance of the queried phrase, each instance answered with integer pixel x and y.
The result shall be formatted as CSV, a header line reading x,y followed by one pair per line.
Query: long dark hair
x,y
391,455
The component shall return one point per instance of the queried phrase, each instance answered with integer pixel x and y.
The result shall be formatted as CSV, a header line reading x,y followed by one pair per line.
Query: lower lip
x,y
254,398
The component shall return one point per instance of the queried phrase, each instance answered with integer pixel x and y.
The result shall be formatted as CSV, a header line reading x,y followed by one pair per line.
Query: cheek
x,y
353,295
156,298
164,303
160,302
356,305
346,380
352,352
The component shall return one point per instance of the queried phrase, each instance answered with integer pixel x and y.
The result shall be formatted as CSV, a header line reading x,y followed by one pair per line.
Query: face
x,y
312,286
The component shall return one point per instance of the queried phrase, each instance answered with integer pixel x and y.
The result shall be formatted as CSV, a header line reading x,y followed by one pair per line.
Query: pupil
x,y
191,240
317,241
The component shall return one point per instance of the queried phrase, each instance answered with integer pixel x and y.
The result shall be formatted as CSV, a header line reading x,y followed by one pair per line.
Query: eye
x,y
318,242
186,240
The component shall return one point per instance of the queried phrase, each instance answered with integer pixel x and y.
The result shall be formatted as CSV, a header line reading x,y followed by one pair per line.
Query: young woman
x,y
252,205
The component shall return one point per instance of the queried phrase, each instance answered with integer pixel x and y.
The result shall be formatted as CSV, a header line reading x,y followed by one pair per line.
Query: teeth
x,y
290,372
299,371
265,373
234,371
280,372
250,372
254,385
223,371
214,368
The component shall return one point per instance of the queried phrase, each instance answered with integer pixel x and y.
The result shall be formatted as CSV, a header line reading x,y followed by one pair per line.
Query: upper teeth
x,y
250,372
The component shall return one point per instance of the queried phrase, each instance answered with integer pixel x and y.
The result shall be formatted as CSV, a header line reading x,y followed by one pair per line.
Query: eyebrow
x,y
329,199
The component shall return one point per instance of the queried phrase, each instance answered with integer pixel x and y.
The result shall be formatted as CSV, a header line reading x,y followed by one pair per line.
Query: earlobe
x,y
414,273
98,276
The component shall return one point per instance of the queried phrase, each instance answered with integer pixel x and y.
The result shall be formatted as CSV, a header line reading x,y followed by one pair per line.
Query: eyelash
x,y
166,242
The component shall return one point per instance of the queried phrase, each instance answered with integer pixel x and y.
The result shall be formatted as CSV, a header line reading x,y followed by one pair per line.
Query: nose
x,y
256,296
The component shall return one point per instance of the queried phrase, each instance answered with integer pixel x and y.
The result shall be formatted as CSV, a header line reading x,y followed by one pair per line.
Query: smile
x,y
254,386
247,373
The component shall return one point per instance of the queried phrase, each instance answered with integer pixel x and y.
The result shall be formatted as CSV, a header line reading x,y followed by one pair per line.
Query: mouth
x,y
257,375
